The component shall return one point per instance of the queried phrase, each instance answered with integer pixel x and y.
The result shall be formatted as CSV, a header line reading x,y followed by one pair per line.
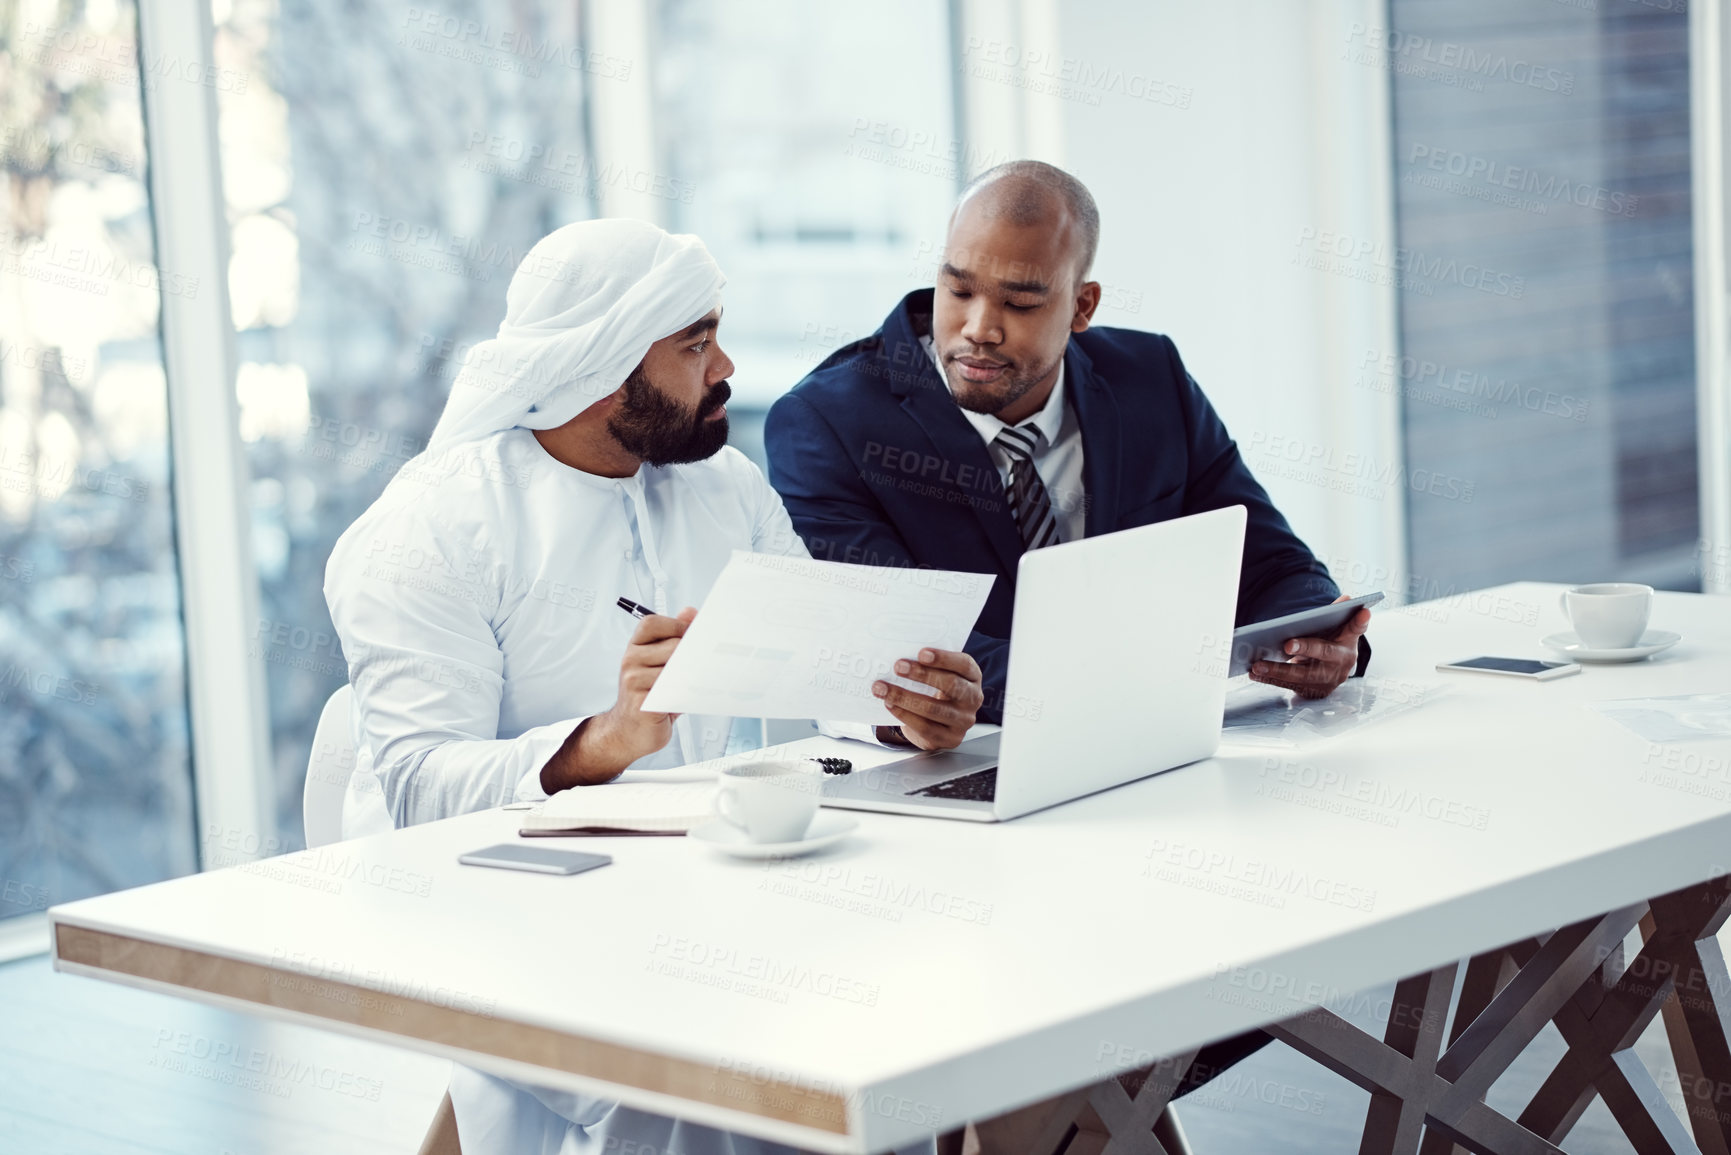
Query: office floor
x,y
90,1068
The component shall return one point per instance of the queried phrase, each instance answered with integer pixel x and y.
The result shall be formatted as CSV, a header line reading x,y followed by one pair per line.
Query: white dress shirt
x,y
1057,455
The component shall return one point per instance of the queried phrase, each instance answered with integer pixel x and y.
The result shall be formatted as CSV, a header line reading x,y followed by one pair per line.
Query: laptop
x,y
1117,672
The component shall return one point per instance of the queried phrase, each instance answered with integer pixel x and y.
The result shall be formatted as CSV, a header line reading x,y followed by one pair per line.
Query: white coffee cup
x,y
1609,615
773,800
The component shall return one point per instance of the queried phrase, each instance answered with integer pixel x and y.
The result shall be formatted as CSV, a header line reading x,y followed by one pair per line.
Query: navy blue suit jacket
x,y
878,466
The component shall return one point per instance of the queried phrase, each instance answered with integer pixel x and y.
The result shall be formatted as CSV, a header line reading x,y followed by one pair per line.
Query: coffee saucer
x,y
826,829
1652,642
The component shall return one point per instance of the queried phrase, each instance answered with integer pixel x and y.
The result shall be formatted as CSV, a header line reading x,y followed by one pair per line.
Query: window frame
x,y
225,679
1708,31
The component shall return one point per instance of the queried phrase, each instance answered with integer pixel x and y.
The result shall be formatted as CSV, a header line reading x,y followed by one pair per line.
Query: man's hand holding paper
x,y
789,637
940,720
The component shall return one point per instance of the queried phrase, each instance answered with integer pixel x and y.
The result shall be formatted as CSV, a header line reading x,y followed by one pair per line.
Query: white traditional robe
x,y
476,598
476,605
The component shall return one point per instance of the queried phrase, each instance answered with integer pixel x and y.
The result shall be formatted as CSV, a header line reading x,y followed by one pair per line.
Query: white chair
x,y
328,772
329,769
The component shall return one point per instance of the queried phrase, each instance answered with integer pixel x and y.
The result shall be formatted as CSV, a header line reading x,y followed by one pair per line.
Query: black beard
x,y
652,426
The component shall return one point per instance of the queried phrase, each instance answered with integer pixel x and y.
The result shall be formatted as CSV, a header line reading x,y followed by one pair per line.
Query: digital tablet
x,y
1261,641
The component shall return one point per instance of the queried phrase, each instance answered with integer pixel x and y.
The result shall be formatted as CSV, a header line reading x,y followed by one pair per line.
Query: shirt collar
x,y
1049,420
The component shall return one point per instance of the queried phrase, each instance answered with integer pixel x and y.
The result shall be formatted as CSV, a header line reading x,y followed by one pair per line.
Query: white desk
x,y
926,972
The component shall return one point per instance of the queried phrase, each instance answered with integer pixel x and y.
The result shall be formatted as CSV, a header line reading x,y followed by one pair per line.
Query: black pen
x,y
633,608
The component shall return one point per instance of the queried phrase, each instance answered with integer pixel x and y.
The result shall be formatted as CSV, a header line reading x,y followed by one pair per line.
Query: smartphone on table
x,y
539,859
1537,670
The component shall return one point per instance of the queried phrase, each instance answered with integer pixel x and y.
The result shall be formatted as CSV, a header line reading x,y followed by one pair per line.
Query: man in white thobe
x,y
580,458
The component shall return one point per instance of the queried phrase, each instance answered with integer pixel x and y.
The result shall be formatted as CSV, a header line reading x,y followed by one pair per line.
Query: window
x,y
95,786
378,205
1547,372
813,148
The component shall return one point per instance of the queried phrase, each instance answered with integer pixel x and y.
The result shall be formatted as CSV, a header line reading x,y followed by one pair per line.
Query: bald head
x,y
1032,193
1013,287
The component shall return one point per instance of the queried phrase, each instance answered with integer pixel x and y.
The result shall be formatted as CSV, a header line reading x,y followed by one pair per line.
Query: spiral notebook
x,y
663,804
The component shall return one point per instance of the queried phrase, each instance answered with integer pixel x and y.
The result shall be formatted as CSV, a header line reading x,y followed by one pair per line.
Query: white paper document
x,y
1679,718
1261,715
785,637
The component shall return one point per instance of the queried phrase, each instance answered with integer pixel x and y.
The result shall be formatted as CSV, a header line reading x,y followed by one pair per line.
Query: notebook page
x,y
639,805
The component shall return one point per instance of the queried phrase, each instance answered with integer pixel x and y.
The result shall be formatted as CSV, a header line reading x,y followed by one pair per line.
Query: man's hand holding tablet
x,y
1316,666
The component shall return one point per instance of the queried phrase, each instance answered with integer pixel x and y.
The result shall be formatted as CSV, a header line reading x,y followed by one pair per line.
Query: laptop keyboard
x,y
980,786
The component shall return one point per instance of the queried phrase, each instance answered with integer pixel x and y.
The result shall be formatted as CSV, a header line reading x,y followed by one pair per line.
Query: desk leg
x,y
442,1134
1680,971
1706,1096
1407,1078
1698,1014
1395,1123
1600,1024
1427,1099
1487,974
1120,1116
1044,1128
954,1142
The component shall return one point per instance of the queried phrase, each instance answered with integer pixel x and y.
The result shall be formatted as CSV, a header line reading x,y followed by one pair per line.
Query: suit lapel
x,y
1102,448
926,398
959,445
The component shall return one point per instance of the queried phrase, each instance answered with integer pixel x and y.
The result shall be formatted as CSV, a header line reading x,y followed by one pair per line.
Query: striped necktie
x,y
1030,505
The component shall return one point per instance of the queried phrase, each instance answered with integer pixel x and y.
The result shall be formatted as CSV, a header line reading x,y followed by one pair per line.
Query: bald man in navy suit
x,y
990,416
